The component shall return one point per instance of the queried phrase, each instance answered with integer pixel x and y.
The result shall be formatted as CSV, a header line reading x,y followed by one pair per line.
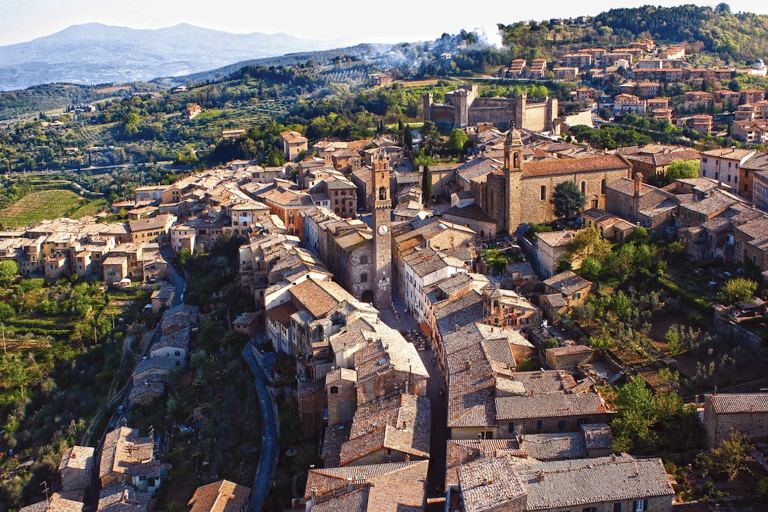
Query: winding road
x,y
269,435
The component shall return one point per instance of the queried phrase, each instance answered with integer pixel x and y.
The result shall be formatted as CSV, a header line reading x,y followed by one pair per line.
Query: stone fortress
x,y
464,108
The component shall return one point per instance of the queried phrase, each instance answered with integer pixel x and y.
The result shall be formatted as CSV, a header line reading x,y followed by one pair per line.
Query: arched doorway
x,y
368,296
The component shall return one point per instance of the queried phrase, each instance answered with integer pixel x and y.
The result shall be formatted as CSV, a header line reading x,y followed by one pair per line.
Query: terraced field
x,y
37,206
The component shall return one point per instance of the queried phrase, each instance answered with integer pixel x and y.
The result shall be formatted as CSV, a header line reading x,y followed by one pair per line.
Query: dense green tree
x,y
588,243
457,140
683,169
426,185
732,455
567,200
590,269
738,289
621,305
8,271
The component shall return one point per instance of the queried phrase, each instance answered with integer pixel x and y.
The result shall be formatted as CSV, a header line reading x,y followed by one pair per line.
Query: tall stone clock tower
x,y
382,235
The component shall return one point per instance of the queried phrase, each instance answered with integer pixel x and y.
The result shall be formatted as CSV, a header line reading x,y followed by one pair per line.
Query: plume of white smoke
x,y
490,34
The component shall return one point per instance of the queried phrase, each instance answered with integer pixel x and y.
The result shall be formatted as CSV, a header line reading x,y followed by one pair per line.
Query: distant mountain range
x,y
94,53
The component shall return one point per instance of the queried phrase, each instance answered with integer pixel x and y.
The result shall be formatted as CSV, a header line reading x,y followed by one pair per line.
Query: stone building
x,y
463,107
745,413
347,247
397,486
640,203
395,429
548,413
604,484
570,356
76,469
221,496
123,498
530,185
293,143
128,458
342,396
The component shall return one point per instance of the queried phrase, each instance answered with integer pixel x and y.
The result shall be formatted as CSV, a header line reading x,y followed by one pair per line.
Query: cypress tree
x,y
426,184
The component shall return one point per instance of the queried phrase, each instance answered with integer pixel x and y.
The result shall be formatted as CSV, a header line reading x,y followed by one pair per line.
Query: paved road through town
x,y
269,435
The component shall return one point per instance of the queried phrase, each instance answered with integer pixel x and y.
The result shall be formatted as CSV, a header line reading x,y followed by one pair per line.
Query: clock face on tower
x,y
383,229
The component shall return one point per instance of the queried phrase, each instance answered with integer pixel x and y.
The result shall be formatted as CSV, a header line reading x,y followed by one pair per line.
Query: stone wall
x,y
720,426
526,205
442,114
342,401
311,400
548,425
535,117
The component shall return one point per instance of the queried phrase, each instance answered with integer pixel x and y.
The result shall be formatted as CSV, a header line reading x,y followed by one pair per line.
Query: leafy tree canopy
x,y
683,169
567,199
728,458
8,270
738,289
588,243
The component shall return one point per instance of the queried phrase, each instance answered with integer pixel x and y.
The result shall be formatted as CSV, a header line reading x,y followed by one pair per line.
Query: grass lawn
x,y
37,206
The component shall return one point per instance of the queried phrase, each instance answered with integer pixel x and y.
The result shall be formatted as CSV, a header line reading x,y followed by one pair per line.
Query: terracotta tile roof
x,y
567,283
149,388
491,483
354,500
728,153
471,388
126,453
569,349
400,423
472,212
564,445
77,457
351,335
222,496
573,483
666,158
158,222
123,499
550,405
286,198
463,451
461,312
557,238
391,351
597,436
177,339
549,381
566,166
731,403
282,313
395,487
319,297
57,503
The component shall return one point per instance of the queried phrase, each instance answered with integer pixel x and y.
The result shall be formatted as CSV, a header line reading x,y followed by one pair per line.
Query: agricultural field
x,y
47,204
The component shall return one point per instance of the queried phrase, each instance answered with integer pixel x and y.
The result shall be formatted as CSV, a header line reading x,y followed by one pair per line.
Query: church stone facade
x,y
464,108
530,184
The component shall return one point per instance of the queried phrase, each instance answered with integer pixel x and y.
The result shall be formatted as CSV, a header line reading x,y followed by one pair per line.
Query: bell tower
x,y
513,175
382,235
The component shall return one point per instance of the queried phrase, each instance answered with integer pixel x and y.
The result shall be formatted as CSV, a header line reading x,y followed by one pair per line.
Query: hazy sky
x,y
387,21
